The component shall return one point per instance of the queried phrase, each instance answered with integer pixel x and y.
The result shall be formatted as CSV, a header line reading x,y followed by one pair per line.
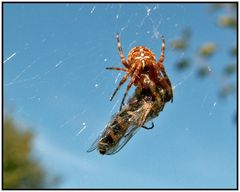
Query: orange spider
x,y
140,62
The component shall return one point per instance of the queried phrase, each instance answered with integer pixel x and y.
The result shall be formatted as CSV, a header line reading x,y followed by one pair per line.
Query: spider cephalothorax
x,y
142,55
141,62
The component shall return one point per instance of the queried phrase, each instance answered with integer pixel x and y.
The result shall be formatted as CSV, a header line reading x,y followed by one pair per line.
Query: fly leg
x,y
148,127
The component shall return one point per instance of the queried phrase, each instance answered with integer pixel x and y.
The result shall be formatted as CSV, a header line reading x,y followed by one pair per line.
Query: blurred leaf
x,y
226,90
234,51
203,71
20,169
227,21
230,69
215,7
179,44
182,64
208,49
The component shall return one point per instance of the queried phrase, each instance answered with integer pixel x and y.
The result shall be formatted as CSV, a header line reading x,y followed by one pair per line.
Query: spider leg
x,y
161,59
125,94
116,68
148,127
164,81
124,62
130,83
119,85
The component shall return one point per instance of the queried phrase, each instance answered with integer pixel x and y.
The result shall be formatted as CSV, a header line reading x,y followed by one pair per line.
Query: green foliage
x,y
207,49
179,44
233,51
230,69
182,42
182,64
217,6
226,90
20,169
203,71
227,21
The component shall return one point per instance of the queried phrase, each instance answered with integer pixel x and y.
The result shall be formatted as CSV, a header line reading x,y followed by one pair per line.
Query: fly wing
x,y
123,141
95,143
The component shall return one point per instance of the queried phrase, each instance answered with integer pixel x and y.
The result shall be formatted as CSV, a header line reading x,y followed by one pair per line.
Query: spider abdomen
x,y
141,55
142,58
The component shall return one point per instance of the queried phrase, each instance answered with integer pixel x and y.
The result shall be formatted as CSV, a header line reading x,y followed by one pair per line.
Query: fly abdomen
x,y
115,131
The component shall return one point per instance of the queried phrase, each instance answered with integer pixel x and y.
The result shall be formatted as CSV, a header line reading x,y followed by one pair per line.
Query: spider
x,y
141,61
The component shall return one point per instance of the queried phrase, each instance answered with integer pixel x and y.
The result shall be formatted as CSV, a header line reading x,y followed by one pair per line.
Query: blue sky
x,y
55,80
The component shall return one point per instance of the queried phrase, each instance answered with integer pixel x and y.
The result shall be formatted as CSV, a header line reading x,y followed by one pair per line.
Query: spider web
x,y
56,80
